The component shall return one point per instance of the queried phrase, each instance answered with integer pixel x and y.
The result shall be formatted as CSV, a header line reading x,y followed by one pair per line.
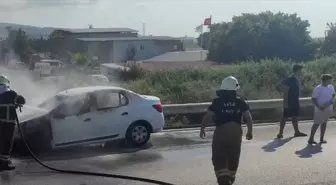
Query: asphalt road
x,y
187,161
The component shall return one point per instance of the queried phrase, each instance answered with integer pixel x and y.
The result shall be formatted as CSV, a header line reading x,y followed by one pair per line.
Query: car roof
x,y
88,89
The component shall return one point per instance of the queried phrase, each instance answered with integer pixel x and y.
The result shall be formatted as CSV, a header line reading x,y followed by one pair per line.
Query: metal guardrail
x,y
189,108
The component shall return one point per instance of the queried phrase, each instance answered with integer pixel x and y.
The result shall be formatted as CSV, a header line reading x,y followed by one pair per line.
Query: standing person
x,y
227,111
291,94
9,100
322,97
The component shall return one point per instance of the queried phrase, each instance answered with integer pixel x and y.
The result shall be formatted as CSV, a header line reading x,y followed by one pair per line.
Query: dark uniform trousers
x,y
226,146
7,127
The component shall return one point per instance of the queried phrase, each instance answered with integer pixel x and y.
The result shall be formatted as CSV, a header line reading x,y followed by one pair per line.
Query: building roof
x,y
127,38
99,30
114,66
180,56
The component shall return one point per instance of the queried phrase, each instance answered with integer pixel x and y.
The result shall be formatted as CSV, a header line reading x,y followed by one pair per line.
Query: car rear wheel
x,y
138,134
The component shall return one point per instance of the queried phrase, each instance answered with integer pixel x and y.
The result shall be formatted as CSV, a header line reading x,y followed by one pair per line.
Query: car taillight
x,y
158,107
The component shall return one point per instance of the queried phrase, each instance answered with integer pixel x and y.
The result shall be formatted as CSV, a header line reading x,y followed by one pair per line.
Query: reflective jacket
x,y
9,101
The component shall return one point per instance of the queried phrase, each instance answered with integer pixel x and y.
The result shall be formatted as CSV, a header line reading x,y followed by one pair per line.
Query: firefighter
x,y
9,101
227,111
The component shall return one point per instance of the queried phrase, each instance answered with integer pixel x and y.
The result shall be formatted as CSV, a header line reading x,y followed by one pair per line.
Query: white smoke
x,y
22,81
36,89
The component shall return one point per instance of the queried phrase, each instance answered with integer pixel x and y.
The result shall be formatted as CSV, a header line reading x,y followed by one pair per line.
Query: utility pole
x,y
9,28
202,44
143,28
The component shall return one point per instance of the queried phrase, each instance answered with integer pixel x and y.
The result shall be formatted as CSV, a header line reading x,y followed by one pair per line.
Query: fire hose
x,y
75,172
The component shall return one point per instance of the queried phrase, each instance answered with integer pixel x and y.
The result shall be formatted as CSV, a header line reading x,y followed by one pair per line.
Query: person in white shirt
x,y
322,97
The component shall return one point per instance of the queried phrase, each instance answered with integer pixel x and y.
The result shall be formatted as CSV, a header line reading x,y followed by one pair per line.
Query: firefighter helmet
x,y
4,80
230,83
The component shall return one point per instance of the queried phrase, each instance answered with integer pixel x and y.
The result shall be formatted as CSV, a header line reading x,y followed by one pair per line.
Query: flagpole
x,y
202,43
209,43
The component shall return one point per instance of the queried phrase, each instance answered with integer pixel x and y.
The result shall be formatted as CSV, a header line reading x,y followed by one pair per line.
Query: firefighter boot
x,y
6,165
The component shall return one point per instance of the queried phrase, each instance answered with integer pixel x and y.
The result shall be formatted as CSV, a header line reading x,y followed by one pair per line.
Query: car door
x,y
110,114
71,122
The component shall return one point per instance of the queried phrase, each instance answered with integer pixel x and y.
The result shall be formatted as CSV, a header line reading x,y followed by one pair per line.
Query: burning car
x,y
91,115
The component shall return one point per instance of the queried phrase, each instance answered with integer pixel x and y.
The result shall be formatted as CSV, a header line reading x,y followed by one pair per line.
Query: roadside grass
x,y
258,80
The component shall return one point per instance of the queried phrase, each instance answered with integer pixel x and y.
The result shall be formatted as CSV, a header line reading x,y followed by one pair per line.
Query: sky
x,y
160,17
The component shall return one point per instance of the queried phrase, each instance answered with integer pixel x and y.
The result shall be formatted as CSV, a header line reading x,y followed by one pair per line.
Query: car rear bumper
x,y
157,130
158,123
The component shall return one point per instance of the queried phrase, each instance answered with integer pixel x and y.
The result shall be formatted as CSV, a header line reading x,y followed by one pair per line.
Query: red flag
x,y
207,21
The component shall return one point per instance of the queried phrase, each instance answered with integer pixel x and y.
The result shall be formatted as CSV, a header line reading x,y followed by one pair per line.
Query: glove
x,y
20,100
249,136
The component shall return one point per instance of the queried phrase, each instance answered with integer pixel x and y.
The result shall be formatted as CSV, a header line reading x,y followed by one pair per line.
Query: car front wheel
x,y
138,134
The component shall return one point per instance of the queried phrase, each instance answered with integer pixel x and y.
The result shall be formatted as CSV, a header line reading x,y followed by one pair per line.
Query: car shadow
x,y
309,151
107,163
91,159
276,143
84,152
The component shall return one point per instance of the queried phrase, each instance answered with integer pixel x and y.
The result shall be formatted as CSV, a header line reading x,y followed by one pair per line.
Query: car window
x,y
73,106
110,100
123,99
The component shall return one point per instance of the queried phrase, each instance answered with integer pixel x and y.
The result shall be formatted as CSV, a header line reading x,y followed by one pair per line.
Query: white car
x,y
90,115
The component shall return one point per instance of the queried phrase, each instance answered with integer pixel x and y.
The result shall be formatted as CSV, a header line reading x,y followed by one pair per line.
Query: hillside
x,y
33,31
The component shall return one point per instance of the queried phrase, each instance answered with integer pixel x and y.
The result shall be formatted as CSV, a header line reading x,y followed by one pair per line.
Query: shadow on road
x,y
109,163
100,164
117,147
84,152
309,151
173,140
276,143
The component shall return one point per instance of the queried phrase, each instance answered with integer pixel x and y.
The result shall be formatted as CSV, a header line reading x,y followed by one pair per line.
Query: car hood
x,y
30,112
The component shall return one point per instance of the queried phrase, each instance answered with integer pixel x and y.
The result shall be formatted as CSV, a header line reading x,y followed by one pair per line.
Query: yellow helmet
x,y
230,83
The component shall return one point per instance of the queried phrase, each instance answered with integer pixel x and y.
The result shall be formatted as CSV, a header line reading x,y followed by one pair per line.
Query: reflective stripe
x,y
225,172
4,157
7,113
8,106
7,121
232,173
222,172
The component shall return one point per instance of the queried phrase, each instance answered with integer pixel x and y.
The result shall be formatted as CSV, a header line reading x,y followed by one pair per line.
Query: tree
x,y
80,60
329,44
204,40
20,44
39,45
55,42
260,36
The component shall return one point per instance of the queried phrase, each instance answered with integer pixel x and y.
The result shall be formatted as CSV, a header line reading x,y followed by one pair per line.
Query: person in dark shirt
x,y
227,112
291,104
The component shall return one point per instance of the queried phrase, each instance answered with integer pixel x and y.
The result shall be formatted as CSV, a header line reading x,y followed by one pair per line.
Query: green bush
x,y
258,80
